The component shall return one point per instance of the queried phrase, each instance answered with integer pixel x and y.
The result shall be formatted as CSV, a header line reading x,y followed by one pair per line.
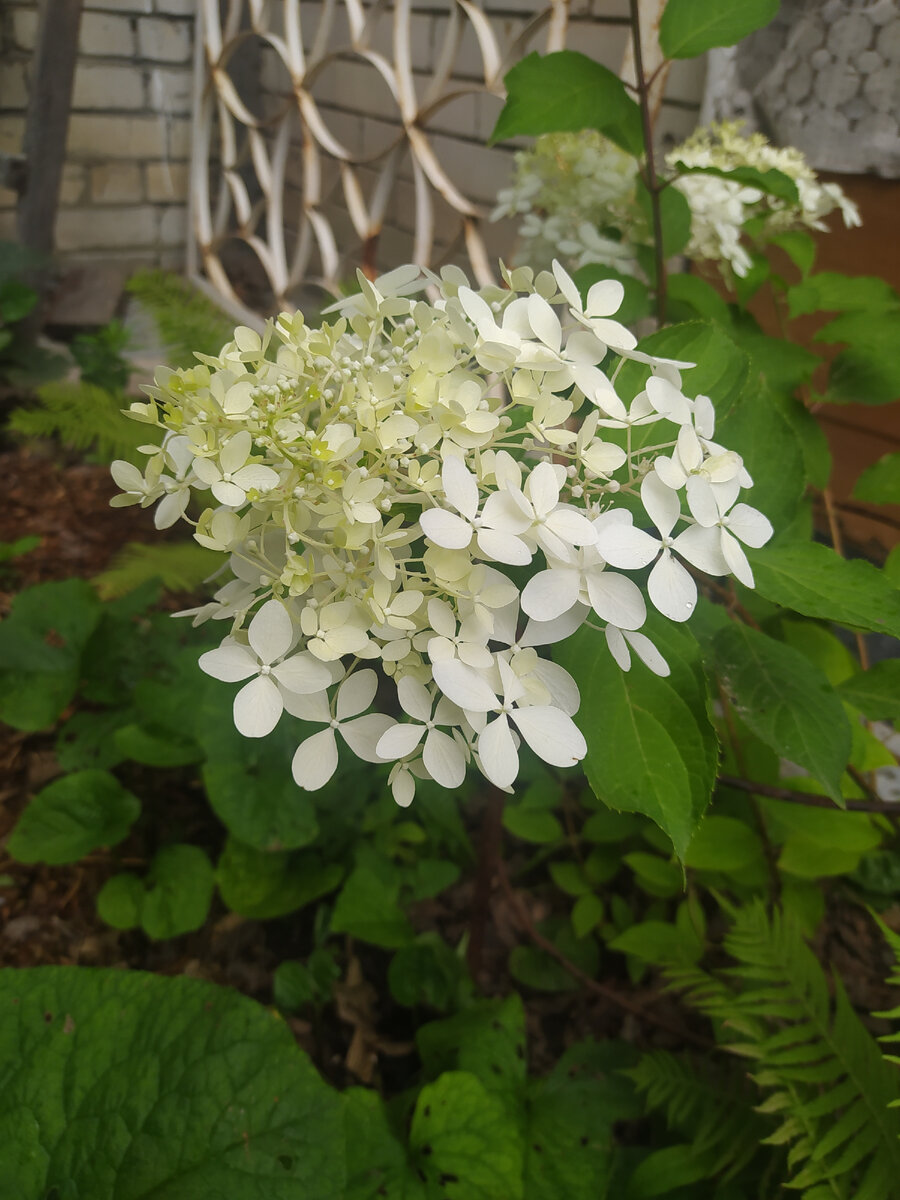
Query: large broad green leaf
x,y
829,291
378,1166
817,582
248,780
464,1142
651,746
775,183
73,816
868,370
264,884
674,216
784,366
128,1085
786,701
880,483
567,92
41,642
875,692
691,27
758,429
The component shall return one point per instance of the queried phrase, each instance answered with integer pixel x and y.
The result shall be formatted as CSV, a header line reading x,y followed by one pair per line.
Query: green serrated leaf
x,y
127,1084
815,581
691,27
786,701
464,1142
880,483
367,908
73,816
774,183
758,429
587,913
651,746
829,291
264,884
724,844
721,366
566,92
875,692
867,371
179,888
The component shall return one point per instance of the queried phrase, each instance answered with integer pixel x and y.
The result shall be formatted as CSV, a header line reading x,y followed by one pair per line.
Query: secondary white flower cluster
x,y
412,508
721,208
575,193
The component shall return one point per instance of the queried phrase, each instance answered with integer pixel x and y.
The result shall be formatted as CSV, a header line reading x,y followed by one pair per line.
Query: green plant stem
x,y
810,799
653,184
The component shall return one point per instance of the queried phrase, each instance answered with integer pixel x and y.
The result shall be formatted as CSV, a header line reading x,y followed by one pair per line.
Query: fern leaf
x,y
829,1082
188,323
179,566
83,418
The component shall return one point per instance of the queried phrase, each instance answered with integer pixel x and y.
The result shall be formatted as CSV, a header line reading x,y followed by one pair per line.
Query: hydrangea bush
x,y
578,197
420,495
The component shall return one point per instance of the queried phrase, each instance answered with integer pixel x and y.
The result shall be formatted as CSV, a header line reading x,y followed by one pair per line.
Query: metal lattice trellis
x,y
246,188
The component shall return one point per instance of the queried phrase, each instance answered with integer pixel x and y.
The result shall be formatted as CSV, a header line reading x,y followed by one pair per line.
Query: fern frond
x,y
83,418
186,320
179,566
712,1107
823,1072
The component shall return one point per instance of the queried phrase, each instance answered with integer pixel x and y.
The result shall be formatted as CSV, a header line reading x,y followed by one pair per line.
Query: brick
x,y
178,137
12,129
166,181
171,89
178,8
13,85
106,228
25,27
173,226
116,183
163,39
119,6
106,35
74,183
107,87
102,136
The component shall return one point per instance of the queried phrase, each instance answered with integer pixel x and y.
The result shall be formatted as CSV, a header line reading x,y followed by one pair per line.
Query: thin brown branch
x,y
653,186
809,799
490,844
593,985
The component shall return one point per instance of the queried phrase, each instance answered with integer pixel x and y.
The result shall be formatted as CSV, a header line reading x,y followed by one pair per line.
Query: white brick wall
x,y
125,180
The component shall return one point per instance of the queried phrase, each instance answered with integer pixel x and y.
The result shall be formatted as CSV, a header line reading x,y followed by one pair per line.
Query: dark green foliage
x,y
100,357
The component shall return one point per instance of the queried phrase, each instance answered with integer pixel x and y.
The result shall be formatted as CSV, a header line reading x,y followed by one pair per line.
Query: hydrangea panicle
x,y
382,485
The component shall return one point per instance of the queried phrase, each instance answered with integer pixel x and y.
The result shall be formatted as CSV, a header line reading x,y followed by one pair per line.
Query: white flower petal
x,y
460,487
440,618
750,525
546,633
618,647
414,698
572,527
661,503
648,653
604,298
616,599
256,476
702,548
312,707
356,693
236,451
621,545
315,760
399,741
503,547
445,529
497,753
444,760
559,683
551,734
736,559
230,662
566,285
671,588
229,493
549,594
364,734
257,707
701,500
271,632
544,321
301,673
464,686
543,488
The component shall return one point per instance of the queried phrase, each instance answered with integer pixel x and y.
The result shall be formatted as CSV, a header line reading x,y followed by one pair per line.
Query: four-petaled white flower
x,y
550,732
443,757
234,477
260,703
316,759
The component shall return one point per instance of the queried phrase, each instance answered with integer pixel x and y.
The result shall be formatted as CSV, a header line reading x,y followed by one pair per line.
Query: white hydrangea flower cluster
x,y
575,193
721,208
376,479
